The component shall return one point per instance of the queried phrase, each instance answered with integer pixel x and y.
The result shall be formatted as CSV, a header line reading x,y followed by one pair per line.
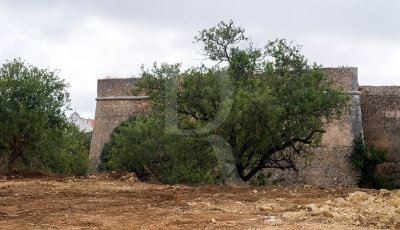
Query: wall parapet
x,y
381,90
354,92
122,98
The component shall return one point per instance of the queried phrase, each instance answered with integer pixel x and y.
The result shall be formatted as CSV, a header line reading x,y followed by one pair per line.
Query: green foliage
x,y
279,102
380,181
220,40
106,155
34,132
67,153
366,158
77,148
32,105
139,145
259,180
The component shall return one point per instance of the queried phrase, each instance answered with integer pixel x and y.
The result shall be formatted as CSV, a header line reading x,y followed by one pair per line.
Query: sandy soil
x,y
103,202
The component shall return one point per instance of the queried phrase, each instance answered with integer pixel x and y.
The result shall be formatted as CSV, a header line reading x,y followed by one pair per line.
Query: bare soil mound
x,y
113,201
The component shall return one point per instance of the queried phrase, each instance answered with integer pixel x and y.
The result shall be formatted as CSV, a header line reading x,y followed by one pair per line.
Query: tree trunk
x,y
17,149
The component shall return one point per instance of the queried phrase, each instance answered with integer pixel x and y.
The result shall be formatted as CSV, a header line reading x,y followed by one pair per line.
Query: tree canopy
x,y
274,102
33,128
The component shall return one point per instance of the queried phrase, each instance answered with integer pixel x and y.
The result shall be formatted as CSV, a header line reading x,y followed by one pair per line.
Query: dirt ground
x,y
112,202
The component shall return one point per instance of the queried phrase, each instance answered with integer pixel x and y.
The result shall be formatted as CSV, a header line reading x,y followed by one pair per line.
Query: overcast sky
x,y
91,39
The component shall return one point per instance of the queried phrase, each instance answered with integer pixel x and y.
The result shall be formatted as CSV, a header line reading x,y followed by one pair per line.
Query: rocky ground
x,y
116,201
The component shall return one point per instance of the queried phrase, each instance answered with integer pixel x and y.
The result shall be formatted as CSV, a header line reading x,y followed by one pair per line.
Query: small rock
x,y
312,207
307,186
327,213
379,201
131,179
271,219
123,178
131,174
383,220
254,191
239,203
394,202
265,208
384,192
206,204
213,221
328,202
341,201
398,193
357,197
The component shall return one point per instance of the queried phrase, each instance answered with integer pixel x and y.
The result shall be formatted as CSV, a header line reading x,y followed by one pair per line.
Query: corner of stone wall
x,y
113,105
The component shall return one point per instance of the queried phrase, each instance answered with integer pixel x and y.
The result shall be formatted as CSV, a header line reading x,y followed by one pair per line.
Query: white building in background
x,y
85,125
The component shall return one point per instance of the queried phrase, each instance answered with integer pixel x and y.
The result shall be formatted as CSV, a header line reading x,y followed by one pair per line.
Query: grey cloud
x,y
366,16
58,33
351,18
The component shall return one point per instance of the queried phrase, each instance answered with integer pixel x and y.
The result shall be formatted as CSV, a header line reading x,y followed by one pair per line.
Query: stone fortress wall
x,y
330,164
113,105
381,120
375,111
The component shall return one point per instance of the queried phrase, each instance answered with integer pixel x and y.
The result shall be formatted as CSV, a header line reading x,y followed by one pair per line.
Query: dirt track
x,y
102,203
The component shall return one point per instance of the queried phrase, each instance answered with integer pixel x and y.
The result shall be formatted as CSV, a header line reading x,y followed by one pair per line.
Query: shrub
x,y
366,158
139,145
65,153
259,180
